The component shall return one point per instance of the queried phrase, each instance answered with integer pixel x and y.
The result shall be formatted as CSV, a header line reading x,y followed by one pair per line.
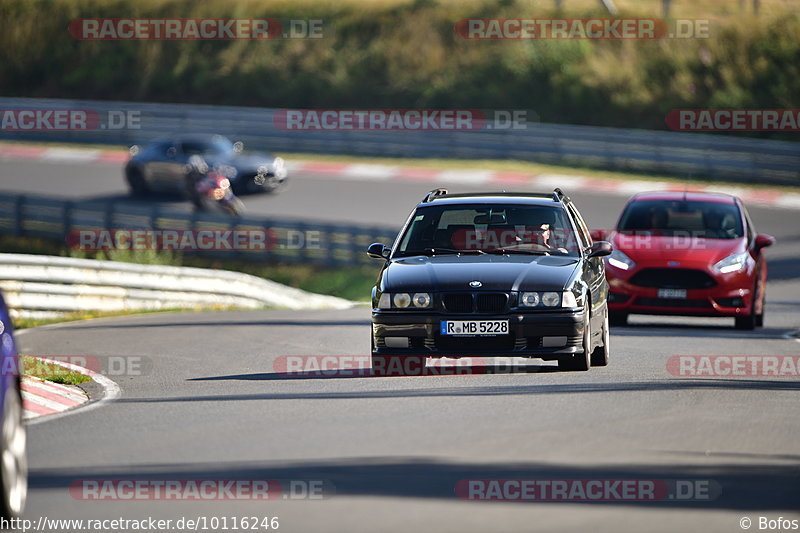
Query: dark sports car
x,y
491,275
13,458
160,166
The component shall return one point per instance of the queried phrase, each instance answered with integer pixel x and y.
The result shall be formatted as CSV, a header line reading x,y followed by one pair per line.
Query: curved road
x,y
211,404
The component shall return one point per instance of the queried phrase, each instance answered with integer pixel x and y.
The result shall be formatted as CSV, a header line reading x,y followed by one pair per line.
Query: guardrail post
x,y
19,227
66,219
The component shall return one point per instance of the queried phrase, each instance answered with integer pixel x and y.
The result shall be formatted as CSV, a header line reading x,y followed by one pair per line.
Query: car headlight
x,y
401,300
278,163
421,300
529,299
620,260
548,299
404,300
551,299
732,263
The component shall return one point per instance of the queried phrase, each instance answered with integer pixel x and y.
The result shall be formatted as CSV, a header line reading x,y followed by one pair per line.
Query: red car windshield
x,y
710,220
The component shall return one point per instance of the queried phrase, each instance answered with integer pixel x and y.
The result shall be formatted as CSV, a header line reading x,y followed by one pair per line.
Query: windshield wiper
x,y
437,251
500,251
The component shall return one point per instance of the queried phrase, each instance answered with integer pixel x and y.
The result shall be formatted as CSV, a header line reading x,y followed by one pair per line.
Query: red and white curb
x,y
60,400
770,197
42,398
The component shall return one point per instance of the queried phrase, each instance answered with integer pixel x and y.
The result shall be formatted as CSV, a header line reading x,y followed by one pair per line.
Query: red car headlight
x,y
732,263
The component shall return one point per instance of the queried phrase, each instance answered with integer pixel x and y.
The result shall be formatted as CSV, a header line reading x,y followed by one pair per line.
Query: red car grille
x,y
673,302
673,278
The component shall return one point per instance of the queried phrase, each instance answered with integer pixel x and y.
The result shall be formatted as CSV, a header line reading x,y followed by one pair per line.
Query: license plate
x,y
672,293
474,327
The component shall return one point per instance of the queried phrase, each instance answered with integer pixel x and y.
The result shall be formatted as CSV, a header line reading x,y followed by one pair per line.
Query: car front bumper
x,y
544,335
730,299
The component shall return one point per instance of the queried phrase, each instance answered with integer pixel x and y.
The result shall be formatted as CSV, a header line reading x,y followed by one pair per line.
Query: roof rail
x,y
434,194
559,196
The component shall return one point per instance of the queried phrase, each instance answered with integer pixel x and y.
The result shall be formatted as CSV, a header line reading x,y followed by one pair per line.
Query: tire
x,y
580,361
746,322
272,185
760,316
13,461
137,184
617,318
235,207
397,365
600,354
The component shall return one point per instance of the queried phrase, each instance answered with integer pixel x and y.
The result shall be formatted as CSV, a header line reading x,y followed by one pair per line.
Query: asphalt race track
x,y
211,404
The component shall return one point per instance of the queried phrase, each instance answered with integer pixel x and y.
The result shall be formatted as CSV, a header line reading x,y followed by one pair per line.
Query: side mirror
x,y
238,146
763,240
600,249
599,234
378,251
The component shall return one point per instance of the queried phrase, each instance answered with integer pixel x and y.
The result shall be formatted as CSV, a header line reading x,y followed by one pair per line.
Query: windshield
x,y
711,220
488,229
216,146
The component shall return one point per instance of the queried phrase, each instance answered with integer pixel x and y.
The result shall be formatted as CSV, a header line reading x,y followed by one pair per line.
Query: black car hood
x,y
502,273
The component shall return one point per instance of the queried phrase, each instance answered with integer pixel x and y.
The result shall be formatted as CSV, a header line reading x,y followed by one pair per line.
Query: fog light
x,y
554,342
396,342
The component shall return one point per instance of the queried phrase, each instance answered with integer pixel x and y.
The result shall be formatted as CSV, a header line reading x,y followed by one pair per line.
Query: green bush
x,y
400,55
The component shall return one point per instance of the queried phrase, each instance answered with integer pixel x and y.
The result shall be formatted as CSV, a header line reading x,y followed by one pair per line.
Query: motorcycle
x,y
210,189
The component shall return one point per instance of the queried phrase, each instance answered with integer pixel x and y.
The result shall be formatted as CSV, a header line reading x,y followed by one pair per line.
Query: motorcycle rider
x,y
196,171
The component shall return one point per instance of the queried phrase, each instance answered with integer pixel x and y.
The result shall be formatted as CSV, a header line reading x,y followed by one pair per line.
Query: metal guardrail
x,y
674,153
289,241
41,286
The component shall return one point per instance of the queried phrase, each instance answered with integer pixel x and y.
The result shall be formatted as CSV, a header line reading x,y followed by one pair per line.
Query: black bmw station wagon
x,y
491,274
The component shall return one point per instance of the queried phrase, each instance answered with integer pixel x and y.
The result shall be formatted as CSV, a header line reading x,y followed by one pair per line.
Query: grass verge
x,y
39,368
24,323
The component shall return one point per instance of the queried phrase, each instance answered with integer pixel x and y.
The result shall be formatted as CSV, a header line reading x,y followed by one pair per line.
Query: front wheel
x,y
760,316
617,318
746,322
600,354
580,361
137,183
235,207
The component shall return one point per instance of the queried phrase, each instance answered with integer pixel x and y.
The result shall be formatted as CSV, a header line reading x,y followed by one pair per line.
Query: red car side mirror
x,y
763,240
